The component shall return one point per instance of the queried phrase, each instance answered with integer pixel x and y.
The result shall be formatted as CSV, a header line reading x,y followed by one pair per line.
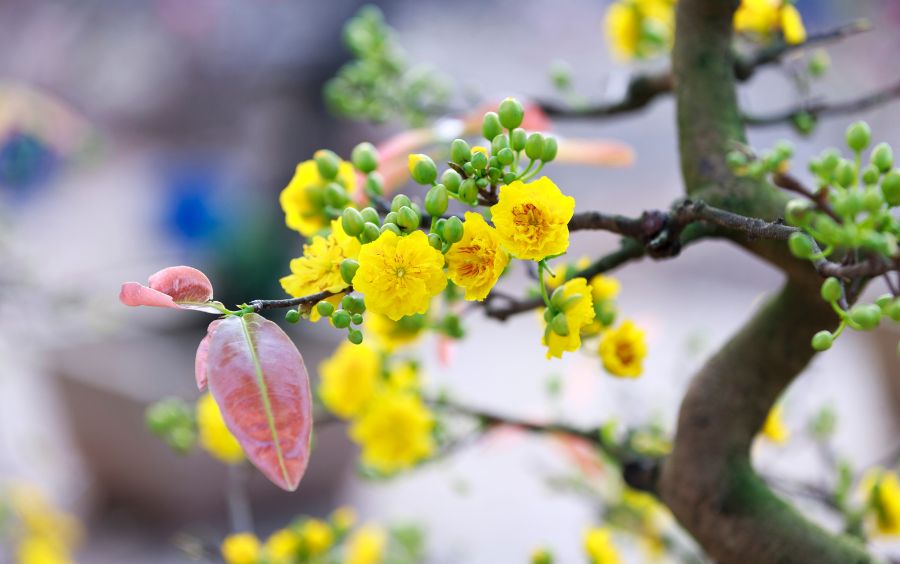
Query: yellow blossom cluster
x,y
311,540
599,548
41,534
881,489
304,198
390,422
214,436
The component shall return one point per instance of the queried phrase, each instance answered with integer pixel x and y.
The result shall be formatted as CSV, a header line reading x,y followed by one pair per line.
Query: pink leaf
x,y
179,287
202,354
257,377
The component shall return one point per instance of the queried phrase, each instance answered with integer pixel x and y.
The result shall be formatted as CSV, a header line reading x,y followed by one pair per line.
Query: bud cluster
x,y
172,420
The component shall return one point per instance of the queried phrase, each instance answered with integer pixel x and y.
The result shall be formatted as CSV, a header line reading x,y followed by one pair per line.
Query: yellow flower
x,y
303,200
319,269
395,432
774,428
599,547
532,219
400,275
317,536
623,349
214,436
366,546
392,334
282,546
404,378
604,288
763,19
39,518
349,379
343,518
579,315
882,489
477,260
241,548
639,29
38,549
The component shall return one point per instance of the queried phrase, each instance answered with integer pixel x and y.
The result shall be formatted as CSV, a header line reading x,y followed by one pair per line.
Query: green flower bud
x,y
453,230
858,136
890,187
408,218
505,156
873,199
509,177
435,240
822,341
830,160
369,215
399,201
849,204
356,319
370,233
355,336
392,227
327,163
468,191
451,180
560,324
518,138
548,314
374,184
391,217
490,126
436,201
499,143
327,308
803,122
350,266
801,245
511,113
292,316
798,212
482,183
181,439
818,63
557,298
884,301
867,316
352,222
494,175
493,162
340,319
736,160
346,302
831,290
365,157
422,168
439,226
469,169
783,150
479,160
883,157
830,230
534,146
460,152
870,175
550,149
845,175
893,310
335,195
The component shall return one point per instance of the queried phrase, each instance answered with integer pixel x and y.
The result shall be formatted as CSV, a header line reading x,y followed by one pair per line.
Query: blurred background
x,y
140,134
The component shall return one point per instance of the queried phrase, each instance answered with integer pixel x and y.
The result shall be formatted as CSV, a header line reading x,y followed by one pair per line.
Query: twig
x,y
239,510
787,182
644,88
310,300
823,109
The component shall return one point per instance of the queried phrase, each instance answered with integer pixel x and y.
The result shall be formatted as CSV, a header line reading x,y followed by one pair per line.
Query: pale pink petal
x,y
180,287
258,379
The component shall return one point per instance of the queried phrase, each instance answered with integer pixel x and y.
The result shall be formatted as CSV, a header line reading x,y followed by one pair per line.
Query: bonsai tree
x,y
385,262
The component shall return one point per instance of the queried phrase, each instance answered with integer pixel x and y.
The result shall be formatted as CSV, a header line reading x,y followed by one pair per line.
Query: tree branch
x,y
645,88
822,109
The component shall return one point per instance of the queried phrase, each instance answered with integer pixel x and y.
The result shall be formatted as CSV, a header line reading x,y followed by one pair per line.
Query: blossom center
x,y
625,352
528,214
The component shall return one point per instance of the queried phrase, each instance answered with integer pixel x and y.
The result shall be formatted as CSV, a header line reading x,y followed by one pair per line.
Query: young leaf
x,y
257,377
180,287
202,354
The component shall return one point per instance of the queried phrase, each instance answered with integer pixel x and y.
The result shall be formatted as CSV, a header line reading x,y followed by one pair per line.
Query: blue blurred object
x,y
26,163
189,210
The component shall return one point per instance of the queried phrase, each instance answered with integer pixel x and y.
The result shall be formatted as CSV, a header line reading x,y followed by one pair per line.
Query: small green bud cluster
x,y
349,314
451,326
862,193
555,313
474,174
772,161
862,316
380,83
173,421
